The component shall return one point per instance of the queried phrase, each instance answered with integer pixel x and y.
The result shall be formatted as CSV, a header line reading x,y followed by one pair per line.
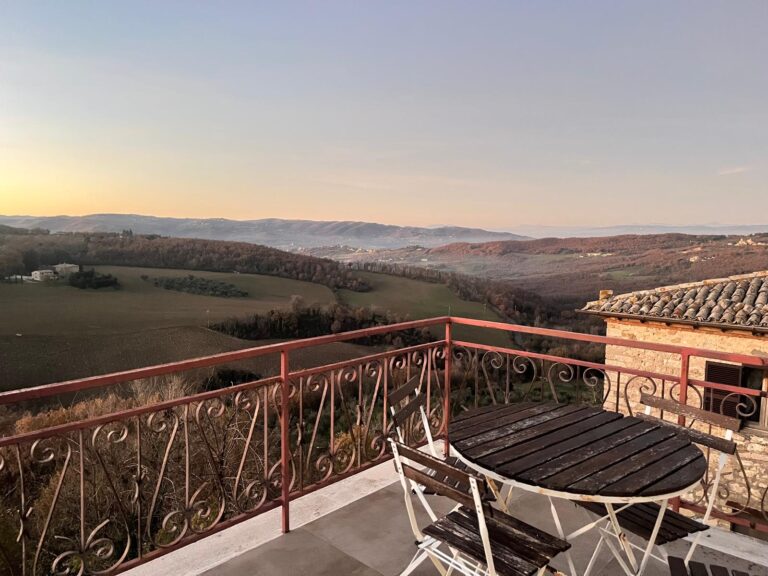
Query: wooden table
x,y
580,453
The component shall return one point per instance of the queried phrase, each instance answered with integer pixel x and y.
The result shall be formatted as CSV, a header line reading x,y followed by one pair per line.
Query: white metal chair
x,y
480,540
406,403
640,519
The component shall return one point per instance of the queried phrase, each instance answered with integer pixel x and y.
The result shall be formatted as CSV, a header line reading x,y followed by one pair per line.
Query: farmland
x,y
58,309
40,359
52,331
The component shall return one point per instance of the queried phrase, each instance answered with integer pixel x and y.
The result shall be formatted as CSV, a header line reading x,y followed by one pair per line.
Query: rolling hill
x,y
273,232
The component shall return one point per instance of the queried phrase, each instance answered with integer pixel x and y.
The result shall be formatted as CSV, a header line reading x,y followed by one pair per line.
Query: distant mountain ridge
x,y
639,229
275,232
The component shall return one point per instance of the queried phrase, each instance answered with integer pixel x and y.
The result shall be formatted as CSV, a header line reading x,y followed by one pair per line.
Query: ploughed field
x,y
51,331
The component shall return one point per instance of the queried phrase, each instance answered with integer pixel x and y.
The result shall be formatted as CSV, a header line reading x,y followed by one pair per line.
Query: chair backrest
x,y
440,477
404,402
461,486
730,424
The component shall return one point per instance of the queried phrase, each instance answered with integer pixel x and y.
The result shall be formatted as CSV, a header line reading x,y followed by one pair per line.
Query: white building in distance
x,y
43,275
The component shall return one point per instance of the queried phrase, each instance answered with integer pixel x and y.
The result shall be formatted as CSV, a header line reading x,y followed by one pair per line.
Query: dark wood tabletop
x,y
578,449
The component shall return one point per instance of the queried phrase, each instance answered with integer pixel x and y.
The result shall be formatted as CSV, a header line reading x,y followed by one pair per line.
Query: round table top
x,y
583,451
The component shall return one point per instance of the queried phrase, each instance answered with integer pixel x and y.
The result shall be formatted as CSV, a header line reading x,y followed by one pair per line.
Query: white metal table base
x,y
625,552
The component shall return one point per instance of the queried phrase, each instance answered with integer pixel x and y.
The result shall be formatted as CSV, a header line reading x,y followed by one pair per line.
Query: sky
x,y
474,113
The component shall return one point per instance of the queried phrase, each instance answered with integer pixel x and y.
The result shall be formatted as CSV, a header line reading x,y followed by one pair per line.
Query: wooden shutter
x,y
715,400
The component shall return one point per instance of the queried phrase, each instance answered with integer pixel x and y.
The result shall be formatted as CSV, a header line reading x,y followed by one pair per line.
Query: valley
x,y
52,331
573,270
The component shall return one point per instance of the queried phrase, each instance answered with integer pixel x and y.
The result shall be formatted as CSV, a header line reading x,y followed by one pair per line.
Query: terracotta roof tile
x,y
739,301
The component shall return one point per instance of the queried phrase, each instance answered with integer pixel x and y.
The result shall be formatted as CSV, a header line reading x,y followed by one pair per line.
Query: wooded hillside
x,y
24,253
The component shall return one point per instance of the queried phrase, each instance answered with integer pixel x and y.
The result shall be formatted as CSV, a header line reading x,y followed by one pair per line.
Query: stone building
x,y
723,314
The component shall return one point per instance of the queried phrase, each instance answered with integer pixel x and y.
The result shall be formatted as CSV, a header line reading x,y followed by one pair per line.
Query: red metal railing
x,y
105,493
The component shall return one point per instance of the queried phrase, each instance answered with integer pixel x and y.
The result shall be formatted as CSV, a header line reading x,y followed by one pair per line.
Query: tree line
x,y
301,321
22,253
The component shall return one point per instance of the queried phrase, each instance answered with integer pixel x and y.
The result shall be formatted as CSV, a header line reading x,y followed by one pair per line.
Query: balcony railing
x,y
101,494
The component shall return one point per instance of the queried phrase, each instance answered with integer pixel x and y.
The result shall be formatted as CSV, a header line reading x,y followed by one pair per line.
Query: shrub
x,y
92,279
196,285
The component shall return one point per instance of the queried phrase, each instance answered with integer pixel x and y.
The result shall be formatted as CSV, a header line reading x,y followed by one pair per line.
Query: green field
x,y
51,331
417,300
33,360
54,308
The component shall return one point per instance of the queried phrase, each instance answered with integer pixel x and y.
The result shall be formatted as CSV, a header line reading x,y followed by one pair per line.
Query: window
x,y
721,401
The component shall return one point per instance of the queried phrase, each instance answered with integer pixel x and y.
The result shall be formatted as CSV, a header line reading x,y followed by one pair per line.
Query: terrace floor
x,y
371,536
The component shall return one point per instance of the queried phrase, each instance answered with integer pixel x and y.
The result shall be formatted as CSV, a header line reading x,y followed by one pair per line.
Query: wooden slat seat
x,y
677,567
518,548
640,519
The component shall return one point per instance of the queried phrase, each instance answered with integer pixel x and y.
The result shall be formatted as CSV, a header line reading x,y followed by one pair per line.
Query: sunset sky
x,y
474,113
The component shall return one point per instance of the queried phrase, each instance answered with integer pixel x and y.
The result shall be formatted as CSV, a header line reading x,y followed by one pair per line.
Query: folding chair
x,y
480,540
404,404
406,401
639,519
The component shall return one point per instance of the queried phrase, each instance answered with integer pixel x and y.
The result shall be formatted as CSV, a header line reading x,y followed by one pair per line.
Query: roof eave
x,y
695,323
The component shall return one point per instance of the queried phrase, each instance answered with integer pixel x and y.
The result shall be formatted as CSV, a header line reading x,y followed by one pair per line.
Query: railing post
x,y
683,400
683,395
447,384
285,441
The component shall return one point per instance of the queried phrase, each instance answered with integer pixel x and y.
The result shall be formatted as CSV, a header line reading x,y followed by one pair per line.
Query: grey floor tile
x,y
299,553
534,508
372,537
375,530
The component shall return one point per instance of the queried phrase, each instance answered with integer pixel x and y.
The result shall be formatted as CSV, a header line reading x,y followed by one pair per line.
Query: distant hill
x,y
28,252
18,231
644,229
286,234
575,269
578,245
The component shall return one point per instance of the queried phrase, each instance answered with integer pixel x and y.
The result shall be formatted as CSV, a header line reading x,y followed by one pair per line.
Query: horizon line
x,y
510,230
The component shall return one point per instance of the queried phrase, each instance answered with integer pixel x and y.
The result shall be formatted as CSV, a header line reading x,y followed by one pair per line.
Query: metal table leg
x,y
627,547
630,555
561,533
654,534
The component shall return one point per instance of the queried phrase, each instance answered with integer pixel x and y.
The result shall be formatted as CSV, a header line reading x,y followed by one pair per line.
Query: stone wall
x,y
752,442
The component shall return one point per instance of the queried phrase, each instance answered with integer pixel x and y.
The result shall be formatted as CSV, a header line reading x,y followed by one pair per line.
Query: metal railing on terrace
x,y
105,493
